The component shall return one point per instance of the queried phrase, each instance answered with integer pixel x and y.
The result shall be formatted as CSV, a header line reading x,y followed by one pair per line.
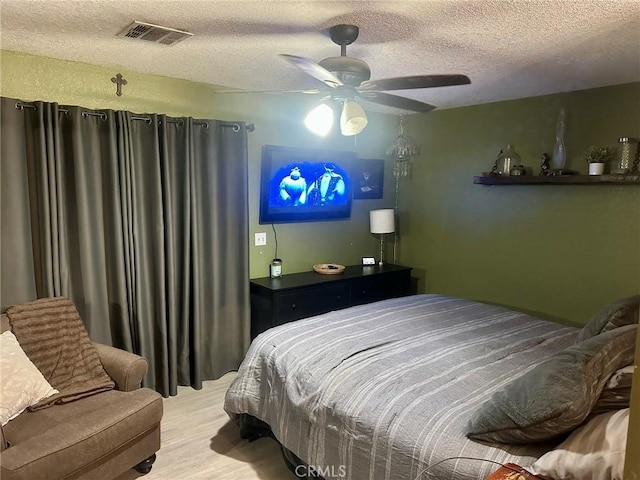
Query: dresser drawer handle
x,y
293,306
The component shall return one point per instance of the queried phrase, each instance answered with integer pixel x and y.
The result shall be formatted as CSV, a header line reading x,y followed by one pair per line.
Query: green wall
x,y
560,251
277,120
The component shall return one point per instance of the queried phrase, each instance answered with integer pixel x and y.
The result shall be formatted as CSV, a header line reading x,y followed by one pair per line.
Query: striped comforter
x,y
384,390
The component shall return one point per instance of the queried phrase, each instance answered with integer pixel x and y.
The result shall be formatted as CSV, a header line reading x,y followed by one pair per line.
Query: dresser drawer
x,y
310,301
380,287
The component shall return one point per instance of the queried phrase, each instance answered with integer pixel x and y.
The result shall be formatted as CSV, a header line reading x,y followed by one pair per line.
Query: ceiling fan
x,y
349,77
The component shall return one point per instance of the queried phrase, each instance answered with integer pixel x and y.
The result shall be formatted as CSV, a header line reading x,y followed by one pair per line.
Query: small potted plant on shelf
x,y
596,157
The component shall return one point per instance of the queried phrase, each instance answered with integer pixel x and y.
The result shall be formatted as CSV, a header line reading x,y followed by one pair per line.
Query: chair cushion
x,y
5,326
53,336
22,383
65,438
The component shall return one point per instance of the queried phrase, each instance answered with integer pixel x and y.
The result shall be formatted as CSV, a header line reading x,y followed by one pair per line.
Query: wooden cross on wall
x,y
119,81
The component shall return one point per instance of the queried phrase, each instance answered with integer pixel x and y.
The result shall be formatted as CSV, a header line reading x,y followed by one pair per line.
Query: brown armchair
x,y
96,437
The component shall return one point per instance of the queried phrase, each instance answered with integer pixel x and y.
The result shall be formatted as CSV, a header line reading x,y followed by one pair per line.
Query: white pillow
x,y
21,383
595,451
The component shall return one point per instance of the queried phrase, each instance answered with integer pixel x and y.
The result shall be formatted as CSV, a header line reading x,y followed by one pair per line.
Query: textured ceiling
x,y
509,48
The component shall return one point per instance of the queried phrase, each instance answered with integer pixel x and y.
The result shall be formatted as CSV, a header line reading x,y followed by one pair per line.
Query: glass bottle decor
x,y
275,268
626,151
559,157
507,159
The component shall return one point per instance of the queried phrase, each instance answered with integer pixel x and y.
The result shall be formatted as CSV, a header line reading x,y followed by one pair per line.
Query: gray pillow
x,y
615,314
556,395
617,392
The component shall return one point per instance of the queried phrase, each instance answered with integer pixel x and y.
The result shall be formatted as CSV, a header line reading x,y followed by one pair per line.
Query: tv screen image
x,y
302,185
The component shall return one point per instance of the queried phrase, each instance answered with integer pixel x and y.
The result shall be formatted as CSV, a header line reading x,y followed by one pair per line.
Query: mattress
x,y
384,390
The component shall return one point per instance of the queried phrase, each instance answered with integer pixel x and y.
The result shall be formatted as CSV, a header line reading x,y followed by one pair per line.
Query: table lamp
x,y
382,221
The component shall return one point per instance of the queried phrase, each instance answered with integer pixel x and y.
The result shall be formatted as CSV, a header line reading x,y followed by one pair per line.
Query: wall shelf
x,y
559,180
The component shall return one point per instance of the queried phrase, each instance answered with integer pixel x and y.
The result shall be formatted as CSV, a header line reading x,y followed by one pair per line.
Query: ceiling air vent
x,y
154,33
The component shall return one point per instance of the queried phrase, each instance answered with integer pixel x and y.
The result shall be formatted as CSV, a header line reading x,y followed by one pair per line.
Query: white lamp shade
x,y
382,221
353,119
320,119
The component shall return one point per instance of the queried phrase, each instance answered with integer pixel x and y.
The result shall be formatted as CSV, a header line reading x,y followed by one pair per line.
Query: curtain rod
x,y
89,113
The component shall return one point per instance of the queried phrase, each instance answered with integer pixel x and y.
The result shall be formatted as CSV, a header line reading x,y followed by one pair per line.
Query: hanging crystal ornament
x,y
401,152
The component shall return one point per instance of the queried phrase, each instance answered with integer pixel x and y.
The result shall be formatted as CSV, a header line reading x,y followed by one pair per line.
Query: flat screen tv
x,y
304,185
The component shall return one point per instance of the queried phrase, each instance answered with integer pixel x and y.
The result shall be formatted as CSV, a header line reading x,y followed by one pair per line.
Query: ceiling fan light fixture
x,y
353,119
320,120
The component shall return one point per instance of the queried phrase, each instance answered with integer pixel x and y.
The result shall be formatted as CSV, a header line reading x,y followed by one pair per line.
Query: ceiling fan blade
x,y
313,69
417,81
395,101
309,91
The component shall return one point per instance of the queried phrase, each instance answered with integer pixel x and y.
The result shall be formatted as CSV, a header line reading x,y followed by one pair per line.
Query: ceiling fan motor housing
x,y
348,77
350,70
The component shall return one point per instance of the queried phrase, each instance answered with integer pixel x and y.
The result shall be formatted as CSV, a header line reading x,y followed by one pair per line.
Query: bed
x,y
387,390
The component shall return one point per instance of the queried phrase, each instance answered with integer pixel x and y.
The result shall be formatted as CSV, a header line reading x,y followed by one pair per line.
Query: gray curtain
x,y
142,220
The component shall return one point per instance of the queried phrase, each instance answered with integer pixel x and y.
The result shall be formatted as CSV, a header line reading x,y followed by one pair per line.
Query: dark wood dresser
x,y
275,301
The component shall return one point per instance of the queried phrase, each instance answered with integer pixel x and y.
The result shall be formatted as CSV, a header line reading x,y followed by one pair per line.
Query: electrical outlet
x,y
261,239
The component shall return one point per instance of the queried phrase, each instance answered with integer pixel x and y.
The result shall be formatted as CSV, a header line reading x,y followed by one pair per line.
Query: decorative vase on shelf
x,y
507,159
596,168
559,157
625,155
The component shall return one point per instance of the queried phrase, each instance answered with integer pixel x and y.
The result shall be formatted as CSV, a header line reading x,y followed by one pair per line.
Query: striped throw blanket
x,y
54,338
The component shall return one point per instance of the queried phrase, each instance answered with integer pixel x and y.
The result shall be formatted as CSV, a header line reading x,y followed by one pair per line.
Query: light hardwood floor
x,y
200,442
